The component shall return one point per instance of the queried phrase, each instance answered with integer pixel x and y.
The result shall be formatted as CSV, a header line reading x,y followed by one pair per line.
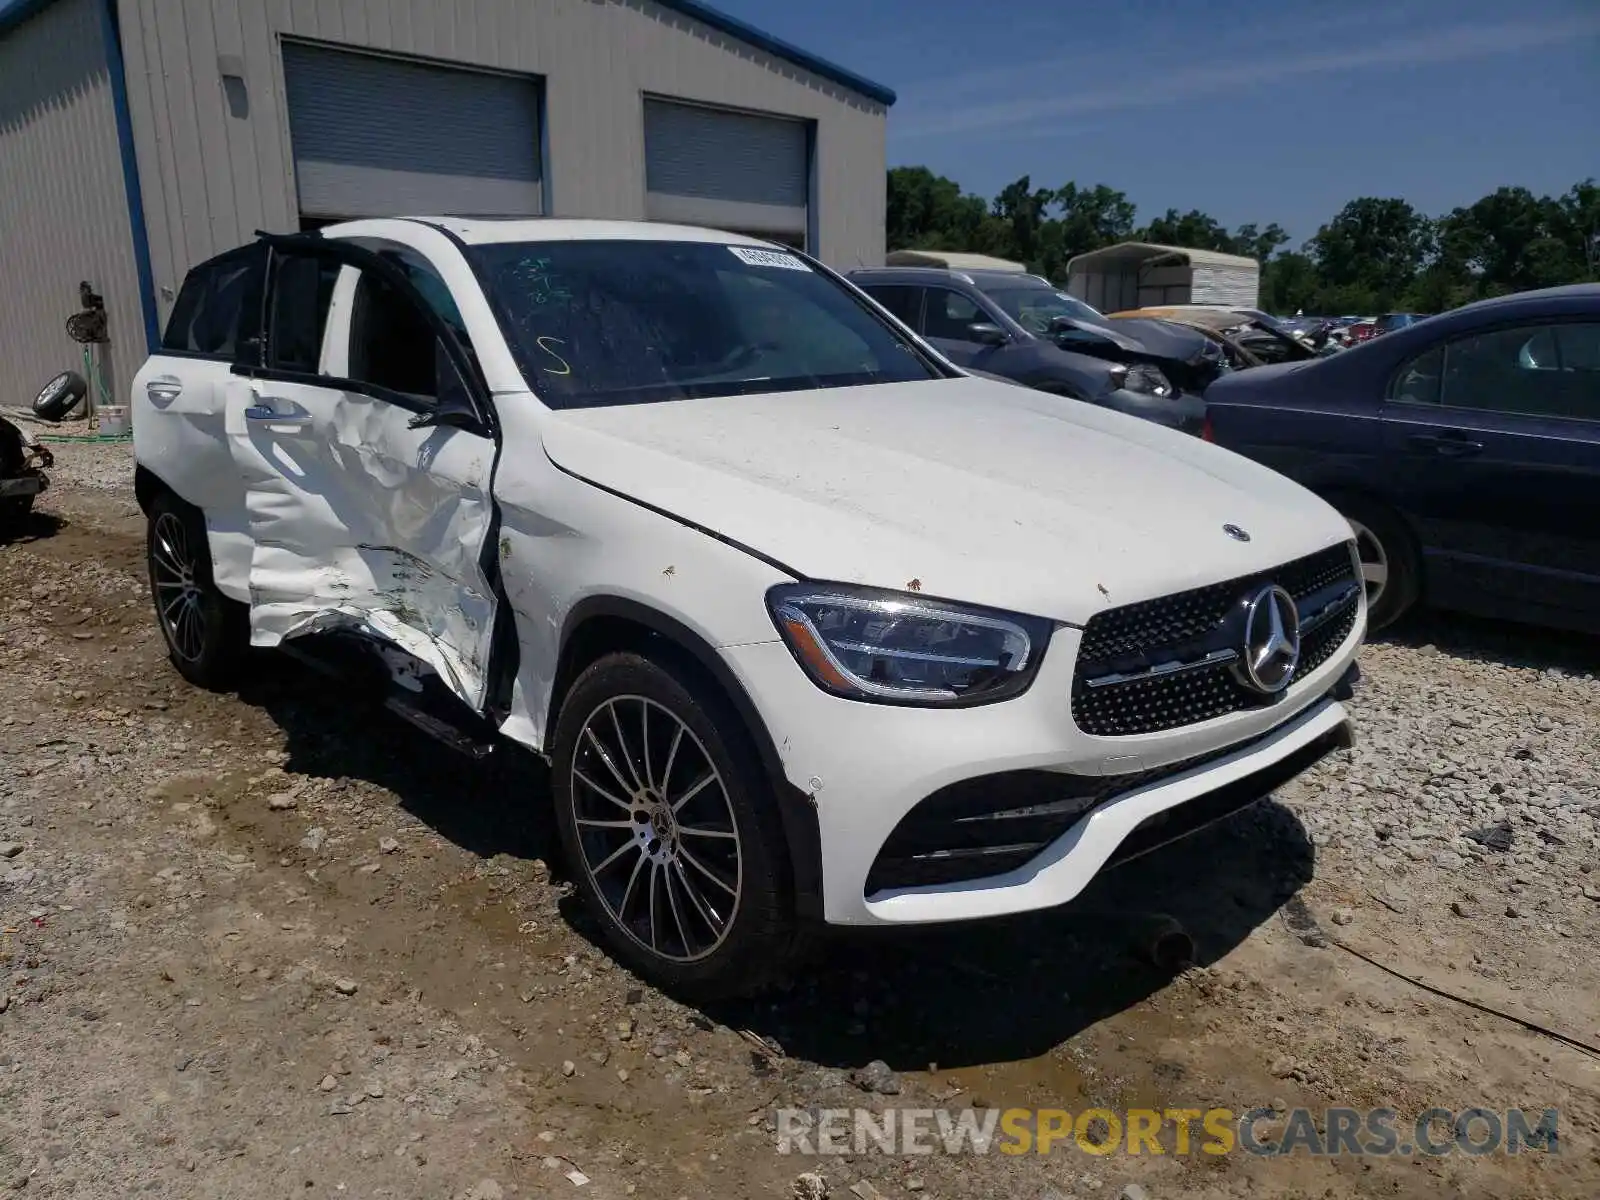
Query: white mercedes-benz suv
x,y
810,624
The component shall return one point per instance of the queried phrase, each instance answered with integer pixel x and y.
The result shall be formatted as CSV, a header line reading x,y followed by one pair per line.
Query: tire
x,y
206,632
662,896
14,510
1391,566
60,396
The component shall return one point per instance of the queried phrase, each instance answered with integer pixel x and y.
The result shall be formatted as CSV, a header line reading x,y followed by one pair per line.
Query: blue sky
x,y
1248,111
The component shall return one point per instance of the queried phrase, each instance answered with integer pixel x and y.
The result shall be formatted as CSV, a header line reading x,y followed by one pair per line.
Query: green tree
x,y
1092,217
1368,255
930,211
1289,283
1194,230
1577,224
1259,244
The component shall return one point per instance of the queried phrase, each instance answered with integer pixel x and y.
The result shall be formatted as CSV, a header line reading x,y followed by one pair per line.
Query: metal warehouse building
x,y
138,137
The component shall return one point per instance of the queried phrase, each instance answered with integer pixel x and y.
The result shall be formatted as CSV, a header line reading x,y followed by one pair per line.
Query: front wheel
x,y
671,830
205,631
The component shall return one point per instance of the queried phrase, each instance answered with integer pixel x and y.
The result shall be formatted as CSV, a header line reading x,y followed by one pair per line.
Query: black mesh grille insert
x,y
995,823
1185,626
983,827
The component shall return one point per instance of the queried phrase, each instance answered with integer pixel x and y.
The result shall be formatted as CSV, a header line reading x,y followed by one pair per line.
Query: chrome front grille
x,y
1165,663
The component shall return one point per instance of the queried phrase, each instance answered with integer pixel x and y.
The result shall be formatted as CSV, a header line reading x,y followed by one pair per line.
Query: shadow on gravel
x,y
1485,639
959,995
1002,991
31,527
498,805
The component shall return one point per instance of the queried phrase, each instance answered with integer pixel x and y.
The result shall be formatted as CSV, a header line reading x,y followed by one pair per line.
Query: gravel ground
x,y
272,943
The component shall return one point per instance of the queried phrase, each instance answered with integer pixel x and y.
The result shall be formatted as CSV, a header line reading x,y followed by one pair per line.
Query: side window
x,y
1418,381
904,302
392,343
423,276
948,314
1516,370
218,310
302,290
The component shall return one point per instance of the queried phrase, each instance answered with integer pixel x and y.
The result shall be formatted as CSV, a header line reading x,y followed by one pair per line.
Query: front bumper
x,y
865,766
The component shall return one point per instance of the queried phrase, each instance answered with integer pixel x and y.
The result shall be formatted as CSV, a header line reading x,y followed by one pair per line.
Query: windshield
x,y
634,322
1035,307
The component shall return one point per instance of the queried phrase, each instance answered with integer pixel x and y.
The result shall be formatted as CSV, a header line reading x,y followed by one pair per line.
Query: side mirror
x,y
987,333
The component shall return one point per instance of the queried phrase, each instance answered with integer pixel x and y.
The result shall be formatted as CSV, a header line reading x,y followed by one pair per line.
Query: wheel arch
x,y
1341,494
600,625
147,485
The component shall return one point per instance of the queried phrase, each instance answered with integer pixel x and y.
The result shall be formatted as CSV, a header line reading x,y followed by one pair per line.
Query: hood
x,y
960,488
1145,335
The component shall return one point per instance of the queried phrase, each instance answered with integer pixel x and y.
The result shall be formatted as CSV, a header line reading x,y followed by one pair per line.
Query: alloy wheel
x,y
1374,561
657,832
178,595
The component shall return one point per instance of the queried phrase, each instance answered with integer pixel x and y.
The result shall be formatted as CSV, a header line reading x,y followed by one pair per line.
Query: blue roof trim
x,y
130,175
734,27
14,12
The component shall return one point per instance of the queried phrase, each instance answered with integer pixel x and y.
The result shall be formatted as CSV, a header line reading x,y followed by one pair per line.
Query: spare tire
x,y
60,396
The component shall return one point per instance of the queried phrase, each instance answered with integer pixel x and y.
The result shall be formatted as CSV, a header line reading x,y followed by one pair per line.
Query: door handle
x,y
1456,445
271,416
164,389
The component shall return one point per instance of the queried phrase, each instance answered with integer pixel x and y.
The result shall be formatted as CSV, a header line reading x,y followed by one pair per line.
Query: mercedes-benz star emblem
x,y
1237,534
1271,640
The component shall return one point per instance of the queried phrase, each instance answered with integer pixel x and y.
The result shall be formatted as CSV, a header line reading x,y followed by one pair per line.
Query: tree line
x,y
1377,255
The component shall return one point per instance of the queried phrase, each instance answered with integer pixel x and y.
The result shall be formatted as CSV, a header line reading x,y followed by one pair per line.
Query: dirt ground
x,y
278,944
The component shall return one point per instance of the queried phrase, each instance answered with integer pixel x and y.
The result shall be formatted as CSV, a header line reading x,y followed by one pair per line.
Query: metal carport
x,y
1140,274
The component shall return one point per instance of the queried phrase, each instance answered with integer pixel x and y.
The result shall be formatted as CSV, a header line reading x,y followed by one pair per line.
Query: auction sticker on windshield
x,y
755,257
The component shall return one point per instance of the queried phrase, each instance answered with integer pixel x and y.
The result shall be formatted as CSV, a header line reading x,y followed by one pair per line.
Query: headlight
x,y
1145,379
889,646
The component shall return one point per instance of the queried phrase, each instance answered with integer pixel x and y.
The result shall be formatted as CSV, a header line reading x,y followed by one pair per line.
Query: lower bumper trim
x,y
1172,824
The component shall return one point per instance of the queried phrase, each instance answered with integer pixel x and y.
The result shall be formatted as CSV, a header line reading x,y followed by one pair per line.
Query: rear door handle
x,y
1452,445
164,389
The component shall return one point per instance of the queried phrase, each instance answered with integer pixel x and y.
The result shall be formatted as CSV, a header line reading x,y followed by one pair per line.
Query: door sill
x,y
359,664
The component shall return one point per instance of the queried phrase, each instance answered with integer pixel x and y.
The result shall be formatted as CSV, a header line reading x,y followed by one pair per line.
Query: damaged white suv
x,y
811,625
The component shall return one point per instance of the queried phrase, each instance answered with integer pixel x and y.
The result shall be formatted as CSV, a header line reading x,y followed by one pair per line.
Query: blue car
x,y
1464,449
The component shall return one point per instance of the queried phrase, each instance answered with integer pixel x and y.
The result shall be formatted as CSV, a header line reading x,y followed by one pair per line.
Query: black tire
x,y
759,938
14,510
60,396
206,632
1383,540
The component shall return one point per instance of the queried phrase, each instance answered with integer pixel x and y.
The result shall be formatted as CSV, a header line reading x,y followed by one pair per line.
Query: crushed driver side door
x,y
365,441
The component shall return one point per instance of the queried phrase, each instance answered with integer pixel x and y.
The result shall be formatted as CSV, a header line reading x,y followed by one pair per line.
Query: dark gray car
x,y
974,318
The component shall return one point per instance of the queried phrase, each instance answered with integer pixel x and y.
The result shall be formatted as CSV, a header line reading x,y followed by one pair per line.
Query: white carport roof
x,y
1151,252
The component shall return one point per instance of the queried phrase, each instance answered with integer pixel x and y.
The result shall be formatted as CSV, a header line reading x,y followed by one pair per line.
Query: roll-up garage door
x,y
731,170
383,137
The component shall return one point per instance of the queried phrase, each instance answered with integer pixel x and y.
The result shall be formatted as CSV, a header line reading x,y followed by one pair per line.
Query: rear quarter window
x,y
218,310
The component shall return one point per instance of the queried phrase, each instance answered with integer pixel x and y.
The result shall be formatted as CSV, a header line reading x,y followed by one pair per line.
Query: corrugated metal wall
x,y
217,165
63,210
1238,287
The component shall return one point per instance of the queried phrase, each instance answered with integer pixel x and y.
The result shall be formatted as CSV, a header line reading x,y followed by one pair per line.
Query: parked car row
x,y
812,624
1464,448
1024,329
1481,498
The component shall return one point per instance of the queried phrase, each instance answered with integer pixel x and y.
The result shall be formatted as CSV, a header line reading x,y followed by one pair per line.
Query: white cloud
x,y
931,114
